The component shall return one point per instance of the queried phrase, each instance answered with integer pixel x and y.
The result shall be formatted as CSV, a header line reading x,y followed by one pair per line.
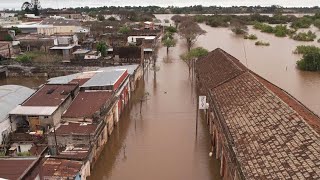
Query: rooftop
x,y
60,168
76,128
60,22
104,78
50,95
270,138
10,97
13,168
87,103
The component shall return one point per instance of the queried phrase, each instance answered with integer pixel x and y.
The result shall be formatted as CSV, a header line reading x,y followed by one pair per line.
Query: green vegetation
x,y
251,37
171,29
262,43
263,27
24,154
189,57
112,18
7,37
311,58
16,30
302,49
310,62
25,58
124,30
101,17
102,48
302,36
238,27
316,23
304,22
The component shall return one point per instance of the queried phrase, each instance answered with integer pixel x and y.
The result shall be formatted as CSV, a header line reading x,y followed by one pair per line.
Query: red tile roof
x,y
76,128
268,130
14,168
218,67
50,95
87,103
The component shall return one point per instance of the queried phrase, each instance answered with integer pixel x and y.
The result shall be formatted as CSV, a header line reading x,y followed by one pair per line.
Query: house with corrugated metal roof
x,y
43,109
10,97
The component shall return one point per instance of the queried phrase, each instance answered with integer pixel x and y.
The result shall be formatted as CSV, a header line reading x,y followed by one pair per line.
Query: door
x,y
33,122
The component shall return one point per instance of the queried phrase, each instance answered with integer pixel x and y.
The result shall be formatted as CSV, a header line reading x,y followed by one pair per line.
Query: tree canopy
x,y
190,31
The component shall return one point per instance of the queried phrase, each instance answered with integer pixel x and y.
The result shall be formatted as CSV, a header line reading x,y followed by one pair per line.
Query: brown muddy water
x,y
31,82
160,143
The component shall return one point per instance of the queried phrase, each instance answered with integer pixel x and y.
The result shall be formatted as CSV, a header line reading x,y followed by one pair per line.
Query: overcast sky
x,y
9,4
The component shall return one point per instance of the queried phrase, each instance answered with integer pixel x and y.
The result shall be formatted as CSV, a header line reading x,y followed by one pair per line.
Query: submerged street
x,y
161,142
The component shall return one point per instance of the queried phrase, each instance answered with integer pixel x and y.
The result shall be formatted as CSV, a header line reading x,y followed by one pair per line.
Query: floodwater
x,y
161,142
31,82
276,62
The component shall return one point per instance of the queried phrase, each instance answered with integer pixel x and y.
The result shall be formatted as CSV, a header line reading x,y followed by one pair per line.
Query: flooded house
x,y
44,108
11,96
258,131
53,168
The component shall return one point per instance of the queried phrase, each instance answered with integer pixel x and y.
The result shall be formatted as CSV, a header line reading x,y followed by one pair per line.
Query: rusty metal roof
x,y
87,103
76,128
13,168
60,168
50,95
271,139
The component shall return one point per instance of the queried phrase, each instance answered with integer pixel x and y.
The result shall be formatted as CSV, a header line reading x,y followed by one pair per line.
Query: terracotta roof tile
x,y
271,139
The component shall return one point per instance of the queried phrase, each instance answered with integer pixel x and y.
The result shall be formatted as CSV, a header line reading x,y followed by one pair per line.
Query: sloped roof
x,y
10,97
63,168
87,103
13,168
50,95
271,139
104,78
60,22
218,67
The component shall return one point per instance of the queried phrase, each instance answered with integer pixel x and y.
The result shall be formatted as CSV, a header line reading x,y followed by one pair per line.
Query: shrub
x,y
261,43
171,29
25,58
302,36
124,30
310,62
302,49
251,37
304,22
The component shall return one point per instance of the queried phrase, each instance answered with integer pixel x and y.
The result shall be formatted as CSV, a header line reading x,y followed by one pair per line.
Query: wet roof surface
x,y
50,95
10,97
87,103
271,139
76,128
60,168
105,78
14,168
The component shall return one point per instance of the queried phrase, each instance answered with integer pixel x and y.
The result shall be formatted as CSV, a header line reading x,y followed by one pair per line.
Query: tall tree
x,y
190,31
169,42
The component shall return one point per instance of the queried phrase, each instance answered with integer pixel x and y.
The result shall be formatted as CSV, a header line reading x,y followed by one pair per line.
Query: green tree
x,y
102,48
316,23
101,17
168,41
124,30
171,29
193,54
